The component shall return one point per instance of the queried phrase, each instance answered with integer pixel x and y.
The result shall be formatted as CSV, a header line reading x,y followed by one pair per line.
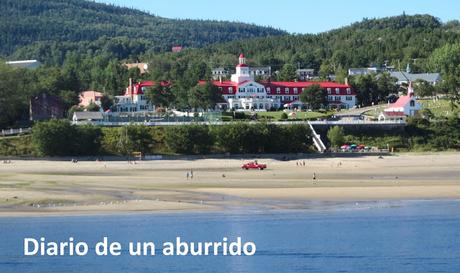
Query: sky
x,y
294,16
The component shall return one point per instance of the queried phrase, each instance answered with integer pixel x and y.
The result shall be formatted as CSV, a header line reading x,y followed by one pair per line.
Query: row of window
x,y
250,90
337,91
286,90
283,98
338,98
278,90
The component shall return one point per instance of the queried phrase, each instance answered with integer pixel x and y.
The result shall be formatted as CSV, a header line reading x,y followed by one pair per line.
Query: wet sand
x,y
65,188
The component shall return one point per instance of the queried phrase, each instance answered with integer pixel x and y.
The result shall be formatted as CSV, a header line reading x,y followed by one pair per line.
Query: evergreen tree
x,y
314,96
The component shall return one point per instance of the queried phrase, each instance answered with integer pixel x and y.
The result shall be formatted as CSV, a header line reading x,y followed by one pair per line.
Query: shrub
x,y
88,140
189,139
261,137
127,139
336,136
54,137
60,138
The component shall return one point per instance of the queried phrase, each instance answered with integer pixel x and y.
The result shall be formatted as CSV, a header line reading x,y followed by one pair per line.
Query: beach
x,y
36,187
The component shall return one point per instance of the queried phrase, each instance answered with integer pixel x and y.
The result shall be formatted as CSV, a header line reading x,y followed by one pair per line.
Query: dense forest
x,y
393,41
46,30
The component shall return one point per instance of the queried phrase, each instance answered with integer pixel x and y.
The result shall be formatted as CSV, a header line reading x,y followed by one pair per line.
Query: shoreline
x,y
48,188
324,206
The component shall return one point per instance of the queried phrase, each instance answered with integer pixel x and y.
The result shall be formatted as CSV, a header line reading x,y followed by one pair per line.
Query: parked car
x,y
254,165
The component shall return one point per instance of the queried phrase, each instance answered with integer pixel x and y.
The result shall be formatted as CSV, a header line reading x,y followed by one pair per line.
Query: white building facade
x,y
134,99
242,92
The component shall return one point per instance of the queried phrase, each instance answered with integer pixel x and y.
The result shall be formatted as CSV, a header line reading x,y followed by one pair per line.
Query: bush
x,y
289,139
239,115
336,136
261,137
241,137
88,140
284,116
189,139
54,138
132,138
16,146
60,138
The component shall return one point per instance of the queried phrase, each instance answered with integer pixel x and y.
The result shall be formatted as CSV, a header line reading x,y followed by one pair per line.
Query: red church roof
x,y
401,102
394,114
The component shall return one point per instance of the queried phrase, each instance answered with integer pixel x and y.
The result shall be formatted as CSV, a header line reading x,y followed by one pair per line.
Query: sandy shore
x,y
65,188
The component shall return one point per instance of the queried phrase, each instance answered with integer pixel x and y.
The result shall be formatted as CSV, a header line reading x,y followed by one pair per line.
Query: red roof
x,y
394,114
242,65
283,85
241,55
401,102
137,88
299,85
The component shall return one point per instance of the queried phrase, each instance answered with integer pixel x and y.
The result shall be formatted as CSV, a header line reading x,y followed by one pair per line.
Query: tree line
x,y
60,138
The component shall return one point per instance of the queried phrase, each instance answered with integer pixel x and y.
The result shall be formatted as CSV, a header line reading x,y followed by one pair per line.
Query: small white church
x,y
405,106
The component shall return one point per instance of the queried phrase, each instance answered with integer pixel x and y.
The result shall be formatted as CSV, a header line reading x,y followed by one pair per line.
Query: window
x,y
296,91
337,91
349,98
337,98
348,91
278,90
241,90
286,90
328,91
412,103
269,90
220,89
330,98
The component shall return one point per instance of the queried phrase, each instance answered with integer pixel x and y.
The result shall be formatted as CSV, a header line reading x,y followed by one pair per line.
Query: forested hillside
x,y
47,29
395,40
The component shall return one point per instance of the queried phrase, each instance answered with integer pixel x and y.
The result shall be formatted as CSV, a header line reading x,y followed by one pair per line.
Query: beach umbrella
x,y
353,146
345,146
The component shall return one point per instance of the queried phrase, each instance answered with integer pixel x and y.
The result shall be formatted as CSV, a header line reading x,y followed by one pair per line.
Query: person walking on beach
x,y
191,174
314,178
187,175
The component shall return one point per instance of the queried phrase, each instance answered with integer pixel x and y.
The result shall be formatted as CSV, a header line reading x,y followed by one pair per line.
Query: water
x,y
399,236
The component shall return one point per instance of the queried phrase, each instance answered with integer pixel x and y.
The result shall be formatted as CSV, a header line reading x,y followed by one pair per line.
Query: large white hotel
x,y
242,92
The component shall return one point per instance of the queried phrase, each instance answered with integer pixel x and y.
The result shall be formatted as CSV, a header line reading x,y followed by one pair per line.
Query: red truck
x,y
254,165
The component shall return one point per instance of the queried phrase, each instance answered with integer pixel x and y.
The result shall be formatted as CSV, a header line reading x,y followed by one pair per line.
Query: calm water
x,y
412,236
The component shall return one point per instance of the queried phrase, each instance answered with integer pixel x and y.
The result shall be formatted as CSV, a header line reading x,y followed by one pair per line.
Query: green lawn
x,y
439,108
